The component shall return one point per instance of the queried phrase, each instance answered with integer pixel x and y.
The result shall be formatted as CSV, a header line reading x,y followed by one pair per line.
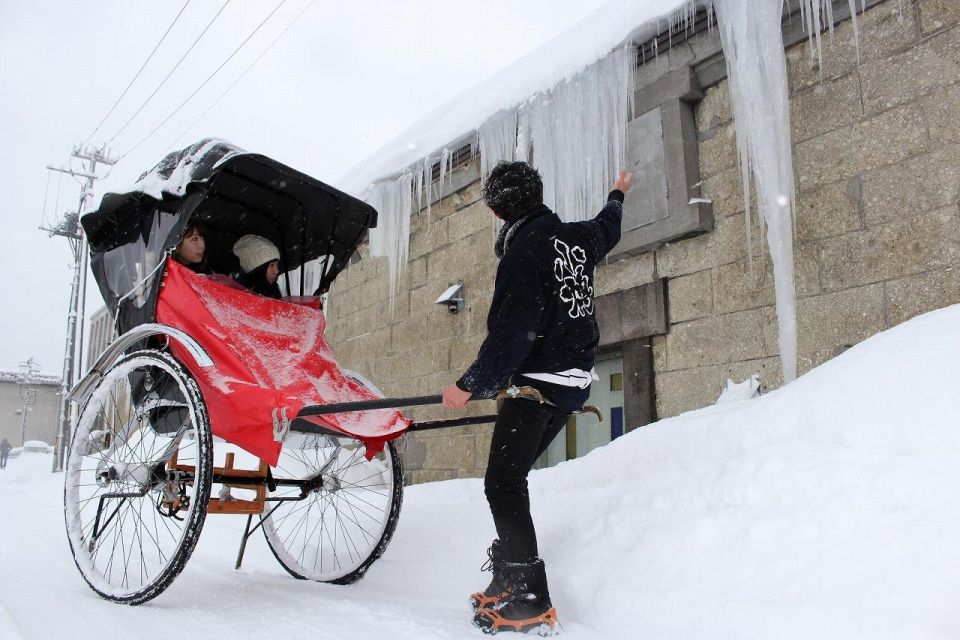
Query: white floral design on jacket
x,y
575,286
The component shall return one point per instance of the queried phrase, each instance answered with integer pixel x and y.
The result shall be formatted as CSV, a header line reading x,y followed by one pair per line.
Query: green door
x,y
583,432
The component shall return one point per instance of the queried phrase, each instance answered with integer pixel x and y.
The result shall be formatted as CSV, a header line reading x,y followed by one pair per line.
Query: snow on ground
x,y
826,509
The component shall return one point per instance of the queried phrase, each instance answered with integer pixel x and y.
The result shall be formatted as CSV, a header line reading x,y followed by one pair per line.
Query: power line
x,y
46,194
56,206
246,71
175,67
203,84
139,71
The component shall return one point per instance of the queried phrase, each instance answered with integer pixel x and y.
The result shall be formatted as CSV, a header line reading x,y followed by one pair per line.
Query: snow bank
x,y
825,509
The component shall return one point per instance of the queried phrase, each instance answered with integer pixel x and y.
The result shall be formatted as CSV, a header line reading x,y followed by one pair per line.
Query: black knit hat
x,y
512,189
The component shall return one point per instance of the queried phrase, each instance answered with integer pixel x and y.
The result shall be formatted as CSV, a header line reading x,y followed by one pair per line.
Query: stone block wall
x,y
42,419
876,137
420,347
877,171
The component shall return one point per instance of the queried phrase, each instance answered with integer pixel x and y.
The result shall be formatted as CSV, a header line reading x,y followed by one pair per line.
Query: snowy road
x,y
827,509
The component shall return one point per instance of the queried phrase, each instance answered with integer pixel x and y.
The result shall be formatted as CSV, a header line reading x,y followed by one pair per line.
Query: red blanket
x,y
269,355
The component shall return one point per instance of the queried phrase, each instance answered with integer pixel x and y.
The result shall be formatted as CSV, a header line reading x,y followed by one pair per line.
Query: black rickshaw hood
x,y
231,193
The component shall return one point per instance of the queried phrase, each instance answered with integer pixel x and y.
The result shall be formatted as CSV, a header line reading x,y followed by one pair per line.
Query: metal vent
x,y
665,40
461,156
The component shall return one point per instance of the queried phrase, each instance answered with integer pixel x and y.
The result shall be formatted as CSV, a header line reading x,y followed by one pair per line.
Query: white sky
x,y
343,81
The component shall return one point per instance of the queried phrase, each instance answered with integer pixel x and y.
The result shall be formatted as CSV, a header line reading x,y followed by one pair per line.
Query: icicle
x,y
393,200
497,140
444,158
752,41
577,133
428,184
418,178
522,152
856,27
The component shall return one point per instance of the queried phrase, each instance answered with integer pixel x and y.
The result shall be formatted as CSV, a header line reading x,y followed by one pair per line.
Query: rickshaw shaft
x,y
364,405
512,391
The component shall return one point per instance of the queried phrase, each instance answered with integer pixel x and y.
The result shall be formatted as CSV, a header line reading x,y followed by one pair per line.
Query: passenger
x,y
192,248
260,262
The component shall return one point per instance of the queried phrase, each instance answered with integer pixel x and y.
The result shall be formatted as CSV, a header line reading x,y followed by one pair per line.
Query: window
x,y
664,203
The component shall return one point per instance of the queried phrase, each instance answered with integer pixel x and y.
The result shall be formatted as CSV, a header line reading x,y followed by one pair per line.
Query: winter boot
x,y
492,595
526,608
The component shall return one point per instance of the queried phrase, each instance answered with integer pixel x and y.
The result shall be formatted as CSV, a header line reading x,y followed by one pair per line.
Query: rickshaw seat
x,y
268,355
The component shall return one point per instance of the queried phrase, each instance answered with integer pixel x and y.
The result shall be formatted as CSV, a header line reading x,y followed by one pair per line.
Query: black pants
x,y
523,431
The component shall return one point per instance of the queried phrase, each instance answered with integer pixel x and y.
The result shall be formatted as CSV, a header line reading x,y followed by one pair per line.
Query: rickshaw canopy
x,y
231,193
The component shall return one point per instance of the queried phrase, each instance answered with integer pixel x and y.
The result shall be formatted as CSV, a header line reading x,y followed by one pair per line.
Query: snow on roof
x,y
611,25
41,379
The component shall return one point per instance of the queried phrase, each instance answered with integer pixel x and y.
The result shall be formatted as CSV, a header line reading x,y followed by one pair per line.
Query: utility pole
x,y
69,228
29,371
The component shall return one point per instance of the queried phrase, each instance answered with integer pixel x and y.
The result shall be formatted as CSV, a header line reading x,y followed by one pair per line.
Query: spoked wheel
x,y
137,478
347,515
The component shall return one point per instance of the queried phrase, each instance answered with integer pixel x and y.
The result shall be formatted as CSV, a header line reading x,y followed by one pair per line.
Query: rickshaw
x,y
207,384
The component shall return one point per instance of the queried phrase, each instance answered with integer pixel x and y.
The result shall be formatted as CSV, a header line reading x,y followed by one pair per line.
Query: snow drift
x,y
825,509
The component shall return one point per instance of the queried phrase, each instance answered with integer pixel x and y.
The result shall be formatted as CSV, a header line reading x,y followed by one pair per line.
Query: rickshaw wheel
x,y
138,477
345,523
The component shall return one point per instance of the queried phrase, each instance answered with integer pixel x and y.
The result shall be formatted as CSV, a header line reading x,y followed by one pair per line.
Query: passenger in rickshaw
x,y
191,249
260,262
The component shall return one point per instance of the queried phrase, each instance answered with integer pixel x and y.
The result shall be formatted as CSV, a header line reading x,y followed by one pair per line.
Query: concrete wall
x,y
41,420
422,347
876,157
877,161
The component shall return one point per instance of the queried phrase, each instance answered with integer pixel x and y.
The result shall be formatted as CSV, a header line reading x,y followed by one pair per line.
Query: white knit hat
x,y
254,251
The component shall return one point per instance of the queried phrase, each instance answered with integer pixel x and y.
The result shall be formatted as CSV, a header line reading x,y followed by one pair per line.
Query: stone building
x,y
41,421
100,334
876,154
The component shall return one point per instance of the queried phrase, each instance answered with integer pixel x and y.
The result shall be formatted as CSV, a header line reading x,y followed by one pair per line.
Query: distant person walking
x,y
4,453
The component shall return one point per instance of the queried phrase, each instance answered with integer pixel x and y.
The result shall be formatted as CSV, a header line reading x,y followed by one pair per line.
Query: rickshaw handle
x,y
393,403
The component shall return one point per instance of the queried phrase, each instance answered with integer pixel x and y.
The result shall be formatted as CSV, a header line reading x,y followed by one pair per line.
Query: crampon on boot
x,y
496,590
526,608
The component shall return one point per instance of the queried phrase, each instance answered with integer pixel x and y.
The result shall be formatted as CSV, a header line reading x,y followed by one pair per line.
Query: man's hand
x,y
454,397
624,180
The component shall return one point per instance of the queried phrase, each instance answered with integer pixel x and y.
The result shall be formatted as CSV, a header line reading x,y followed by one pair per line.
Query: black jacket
x,y
541,317
257,282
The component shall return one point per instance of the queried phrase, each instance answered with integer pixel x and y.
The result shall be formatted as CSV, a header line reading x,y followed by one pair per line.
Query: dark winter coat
x,y
541,317
196,267
257,282
5,447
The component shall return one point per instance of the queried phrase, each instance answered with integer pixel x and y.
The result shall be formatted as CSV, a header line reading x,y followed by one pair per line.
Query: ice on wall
x,y
578,132
574,133
497,140
816,15
393,200
750,33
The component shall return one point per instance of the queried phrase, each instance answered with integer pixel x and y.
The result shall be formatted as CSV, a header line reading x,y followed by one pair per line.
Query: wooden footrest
x,y
226,503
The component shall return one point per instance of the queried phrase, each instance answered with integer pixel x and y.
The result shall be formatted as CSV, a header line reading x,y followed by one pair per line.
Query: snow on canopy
x,y
176,170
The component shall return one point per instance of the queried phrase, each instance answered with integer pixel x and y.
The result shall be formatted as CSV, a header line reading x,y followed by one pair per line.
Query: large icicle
x,y
497,140
393,200
577,131
750,32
